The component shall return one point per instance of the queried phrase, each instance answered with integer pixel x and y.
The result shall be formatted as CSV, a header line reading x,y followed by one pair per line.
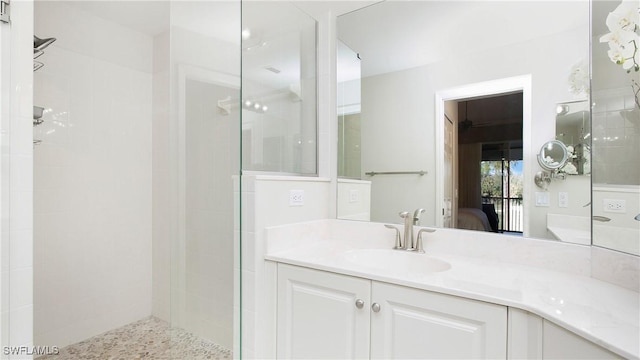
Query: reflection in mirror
x,y
573,128
552,158
616,139
553,155
348,75
401,75
279,125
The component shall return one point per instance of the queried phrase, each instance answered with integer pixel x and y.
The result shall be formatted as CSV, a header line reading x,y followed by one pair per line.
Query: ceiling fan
x,y
466,124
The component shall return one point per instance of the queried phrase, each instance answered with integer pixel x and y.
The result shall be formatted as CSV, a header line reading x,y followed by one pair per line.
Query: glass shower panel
x,y
5,88
204,161
615,137
279,121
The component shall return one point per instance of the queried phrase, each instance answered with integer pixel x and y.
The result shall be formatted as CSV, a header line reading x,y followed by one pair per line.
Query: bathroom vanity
x,y
342,292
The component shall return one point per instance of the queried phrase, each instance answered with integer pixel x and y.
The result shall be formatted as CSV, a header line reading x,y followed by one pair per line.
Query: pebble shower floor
x,y
150,338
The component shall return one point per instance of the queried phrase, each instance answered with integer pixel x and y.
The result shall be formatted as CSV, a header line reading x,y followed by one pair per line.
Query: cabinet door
x,y
318,317
415,324
559,343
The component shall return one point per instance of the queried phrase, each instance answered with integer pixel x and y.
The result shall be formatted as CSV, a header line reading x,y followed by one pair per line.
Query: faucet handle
x,y
398,244
419,247
404,214
416,216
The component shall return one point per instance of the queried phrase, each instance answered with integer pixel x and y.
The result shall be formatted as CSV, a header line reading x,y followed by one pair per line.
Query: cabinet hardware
x,y
375,307
359,303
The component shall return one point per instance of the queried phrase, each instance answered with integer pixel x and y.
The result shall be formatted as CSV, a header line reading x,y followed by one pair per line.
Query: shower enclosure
x,y
134,179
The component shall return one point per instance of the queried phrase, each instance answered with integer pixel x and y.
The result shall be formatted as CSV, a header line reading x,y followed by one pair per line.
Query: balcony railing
x,y
510,213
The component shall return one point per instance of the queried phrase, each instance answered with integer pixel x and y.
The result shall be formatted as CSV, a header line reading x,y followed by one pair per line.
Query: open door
x,y
448,206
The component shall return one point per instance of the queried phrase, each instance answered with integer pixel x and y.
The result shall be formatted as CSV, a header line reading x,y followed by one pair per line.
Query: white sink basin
x,y
396,261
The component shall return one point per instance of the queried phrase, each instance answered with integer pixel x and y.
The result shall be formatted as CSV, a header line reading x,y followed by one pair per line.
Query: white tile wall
x,y
16,306
265,202
92,176
212,157
616,137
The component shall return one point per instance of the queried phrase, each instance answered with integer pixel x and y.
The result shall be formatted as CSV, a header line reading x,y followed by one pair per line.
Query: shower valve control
x,y
5,13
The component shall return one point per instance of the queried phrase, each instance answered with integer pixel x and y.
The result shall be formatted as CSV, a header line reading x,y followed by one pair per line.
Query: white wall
x,y
16,178
399,135
354,199
622,231
92,176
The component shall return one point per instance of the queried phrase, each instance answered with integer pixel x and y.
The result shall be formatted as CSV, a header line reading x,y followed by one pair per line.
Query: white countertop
x,y
603,313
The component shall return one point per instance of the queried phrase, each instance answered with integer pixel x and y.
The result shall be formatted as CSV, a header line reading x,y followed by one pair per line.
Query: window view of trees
x,y
502,185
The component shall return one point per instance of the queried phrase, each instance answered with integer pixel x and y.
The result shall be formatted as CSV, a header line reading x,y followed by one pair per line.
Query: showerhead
x,y
41,44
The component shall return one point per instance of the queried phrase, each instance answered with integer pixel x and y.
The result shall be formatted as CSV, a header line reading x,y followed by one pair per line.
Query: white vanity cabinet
x,y
559,343
417,324
532,337
320,316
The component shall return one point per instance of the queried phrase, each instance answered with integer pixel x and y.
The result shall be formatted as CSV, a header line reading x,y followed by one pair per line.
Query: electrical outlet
x,y
563,199
614,206
296,197
354,196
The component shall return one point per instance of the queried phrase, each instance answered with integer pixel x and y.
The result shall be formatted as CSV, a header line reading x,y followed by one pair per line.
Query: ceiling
x,y
219,19
215,18
432,31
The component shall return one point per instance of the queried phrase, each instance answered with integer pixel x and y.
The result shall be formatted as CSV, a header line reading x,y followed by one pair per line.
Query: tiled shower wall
x,y
616,137
16,178
92,203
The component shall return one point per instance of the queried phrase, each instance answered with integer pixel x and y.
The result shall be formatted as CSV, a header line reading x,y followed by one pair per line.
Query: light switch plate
x,y
542,198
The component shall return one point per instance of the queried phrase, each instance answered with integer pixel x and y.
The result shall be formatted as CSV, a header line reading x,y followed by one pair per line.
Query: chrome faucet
x,y
408,230
416,216
409,243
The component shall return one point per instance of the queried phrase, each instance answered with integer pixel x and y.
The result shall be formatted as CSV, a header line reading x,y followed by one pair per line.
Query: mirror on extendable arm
x,y
552,157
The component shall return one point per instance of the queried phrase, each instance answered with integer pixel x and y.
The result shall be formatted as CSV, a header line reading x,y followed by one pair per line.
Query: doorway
x,y
490,165
478,140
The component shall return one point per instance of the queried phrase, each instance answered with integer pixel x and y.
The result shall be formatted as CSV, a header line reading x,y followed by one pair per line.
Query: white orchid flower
x,y
623,38
619,37
624,17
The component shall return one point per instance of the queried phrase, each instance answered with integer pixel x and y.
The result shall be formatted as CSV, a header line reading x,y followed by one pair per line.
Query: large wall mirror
x,y
279,81
616,133
447,105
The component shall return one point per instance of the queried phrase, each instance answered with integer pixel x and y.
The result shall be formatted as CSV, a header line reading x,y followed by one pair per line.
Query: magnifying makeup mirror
x,y
552,157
